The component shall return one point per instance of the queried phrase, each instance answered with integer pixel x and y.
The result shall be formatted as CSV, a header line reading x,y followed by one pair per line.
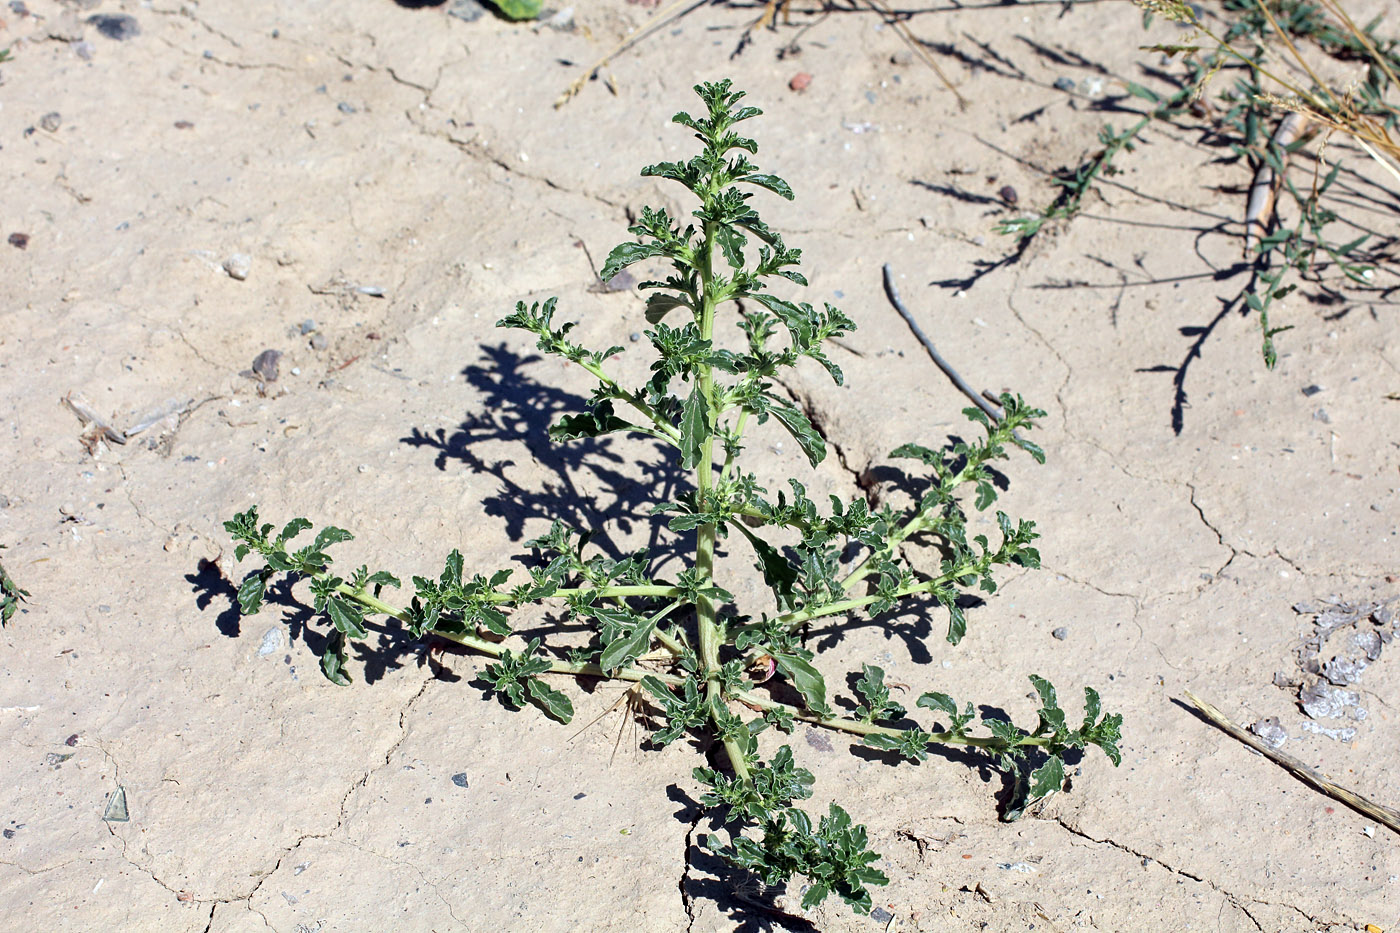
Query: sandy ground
x,y
1191,499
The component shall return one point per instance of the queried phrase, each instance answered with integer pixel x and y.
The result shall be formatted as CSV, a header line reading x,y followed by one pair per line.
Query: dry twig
x,y
1383,815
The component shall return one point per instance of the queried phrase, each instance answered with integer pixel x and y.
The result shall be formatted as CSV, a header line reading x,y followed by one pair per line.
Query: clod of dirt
x,y
19,240
800,81
238,265
118,26
265,365
50,122
1270,732
1009,195
1323,701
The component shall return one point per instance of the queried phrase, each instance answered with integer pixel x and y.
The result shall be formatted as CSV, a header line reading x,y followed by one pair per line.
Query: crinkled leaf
x,y
807,680
624,254
346,617
334,659
939,702
331,535
731,243
695,427
772,182
293,528
623,650
552,701
661,304
596,422
1048,778
250,593
778,572
800,427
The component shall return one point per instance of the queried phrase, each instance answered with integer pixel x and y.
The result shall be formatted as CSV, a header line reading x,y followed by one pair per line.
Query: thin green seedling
x,y
1075,186
729,681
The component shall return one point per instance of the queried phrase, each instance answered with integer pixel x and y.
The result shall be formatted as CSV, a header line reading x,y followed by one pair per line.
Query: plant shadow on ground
x,y
393,645
596,486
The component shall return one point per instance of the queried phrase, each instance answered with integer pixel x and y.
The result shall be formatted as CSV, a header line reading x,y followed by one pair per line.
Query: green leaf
x,y
939,702
807,680
661,304
250,594
519,10
552,701
731,243
1048,778
594,423
778,572
621,651
624,254
695,427
331,535
346,618
334,659
802,431
293,528
772,182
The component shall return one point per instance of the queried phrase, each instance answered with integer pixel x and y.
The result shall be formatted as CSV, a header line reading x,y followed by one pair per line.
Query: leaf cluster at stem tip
x,y
676,634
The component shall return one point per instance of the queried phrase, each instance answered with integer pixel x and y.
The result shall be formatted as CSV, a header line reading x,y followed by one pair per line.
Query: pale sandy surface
x,y
263,798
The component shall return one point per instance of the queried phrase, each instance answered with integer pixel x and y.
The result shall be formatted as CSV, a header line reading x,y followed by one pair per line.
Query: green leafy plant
x,y
681,639
10,596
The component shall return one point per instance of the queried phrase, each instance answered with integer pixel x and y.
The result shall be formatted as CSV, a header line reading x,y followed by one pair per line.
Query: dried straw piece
x,y
1381,814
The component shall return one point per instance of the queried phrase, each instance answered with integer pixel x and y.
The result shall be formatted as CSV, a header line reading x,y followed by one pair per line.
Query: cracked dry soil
x,y
366,149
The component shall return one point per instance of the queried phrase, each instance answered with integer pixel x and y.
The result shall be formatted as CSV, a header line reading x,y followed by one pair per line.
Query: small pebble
x,y
271,642
364,468
19,240
238,265
72,740
1311,390
50,122
880,915
634,336
119,26
1060,634
562,21
265,365
308,325
345,107
183,125
460,779
1008,194
318,341
800,81
468,11
1064,84
902,57
1321,415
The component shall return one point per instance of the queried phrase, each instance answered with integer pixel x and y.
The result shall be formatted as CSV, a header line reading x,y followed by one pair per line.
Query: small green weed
x,y
700,662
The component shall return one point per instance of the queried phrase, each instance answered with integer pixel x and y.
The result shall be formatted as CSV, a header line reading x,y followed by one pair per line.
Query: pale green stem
x,y
495,650
663,426
858,727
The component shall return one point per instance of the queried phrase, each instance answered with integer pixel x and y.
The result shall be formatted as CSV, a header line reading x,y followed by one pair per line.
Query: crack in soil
x,y
685,872
1232,899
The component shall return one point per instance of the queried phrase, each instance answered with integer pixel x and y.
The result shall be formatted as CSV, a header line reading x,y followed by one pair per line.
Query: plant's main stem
x,y
707,626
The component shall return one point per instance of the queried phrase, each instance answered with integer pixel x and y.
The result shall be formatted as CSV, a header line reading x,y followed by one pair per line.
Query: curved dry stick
x,y
1265,187
1383,815
892,293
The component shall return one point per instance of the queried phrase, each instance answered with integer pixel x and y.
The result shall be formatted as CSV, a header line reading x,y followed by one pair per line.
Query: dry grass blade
x,y
915,46
1381,814
656,20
